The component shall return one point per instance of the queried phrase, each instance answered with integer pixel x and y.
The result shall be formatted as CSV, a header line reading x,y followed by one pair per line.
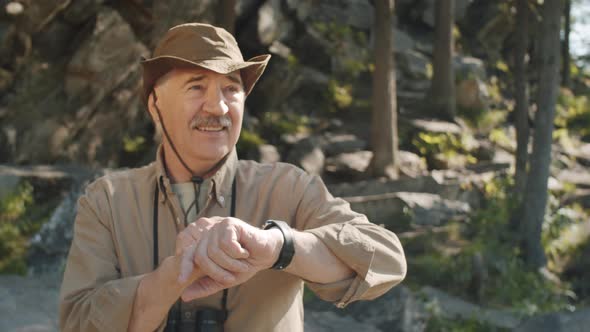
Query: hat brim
x,y
156,67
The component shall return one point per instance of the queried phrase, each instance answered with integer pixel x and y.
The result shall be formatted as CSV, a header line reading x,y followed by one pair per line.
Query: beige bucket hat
x,y
201,45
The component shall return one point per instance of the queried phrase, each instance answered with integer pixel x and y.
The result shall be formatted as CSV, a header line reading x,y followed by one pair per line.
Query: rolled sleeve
x,y
93,295
373,252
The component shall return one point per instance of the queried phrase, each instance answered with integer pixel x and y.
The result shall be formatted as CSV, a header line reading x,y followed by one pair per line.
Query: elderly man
x,y
202,241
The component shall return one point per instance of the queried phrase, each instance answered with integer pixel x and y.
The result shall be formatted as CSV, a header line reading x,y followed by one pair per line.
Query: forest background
x,y
461,125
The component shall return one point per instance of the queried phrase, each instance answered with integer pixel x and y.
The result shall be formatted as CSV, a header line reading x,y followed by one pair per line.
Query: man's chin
x,y
210,154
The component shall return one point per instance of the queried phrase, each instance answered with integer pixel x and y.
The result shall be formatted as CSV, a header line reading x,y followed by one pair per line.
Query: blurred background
x,y
461,125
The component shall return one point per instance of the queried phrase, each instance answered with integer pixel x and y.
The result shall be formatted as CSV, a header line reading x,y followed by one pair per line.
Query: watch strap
x,y
288,249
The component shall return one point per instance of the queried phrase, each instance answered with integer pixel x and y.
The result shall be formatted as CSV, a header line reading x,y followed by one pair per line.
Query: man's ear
x,y
152,108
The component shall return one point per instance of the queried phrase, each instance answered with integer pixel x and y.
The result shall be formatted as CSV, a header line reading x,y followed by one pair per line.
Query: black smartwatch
x,y
288,249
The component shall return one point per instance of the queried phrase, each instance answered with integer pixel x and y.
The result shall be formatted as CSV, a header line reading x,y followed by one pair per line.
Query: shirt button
x,y
221,199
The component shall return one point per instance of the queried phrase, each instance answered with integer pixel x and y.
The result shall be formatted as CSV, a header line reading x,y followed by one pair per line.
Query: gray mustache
x,y
211,121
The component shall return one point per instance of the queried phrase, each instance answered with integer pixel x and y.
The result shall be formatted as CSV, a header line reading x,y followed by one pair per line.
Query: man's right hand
x,y
228,250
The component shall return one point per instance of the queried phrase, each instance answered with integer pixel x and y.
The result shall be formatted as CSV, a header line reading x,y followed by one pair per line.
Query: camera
x,y
202,320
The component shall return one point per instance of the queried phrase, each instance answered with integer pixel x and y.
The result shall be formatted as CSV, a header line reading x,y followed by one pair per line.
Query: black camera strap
x,y
176,316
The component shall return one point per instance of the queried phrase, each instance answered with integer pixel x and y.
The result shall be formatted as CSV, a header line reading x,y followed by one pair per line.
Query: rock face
x,y
50,246
420,209
397,310
329,321
350,165
308,154
450,307
90,102
558,322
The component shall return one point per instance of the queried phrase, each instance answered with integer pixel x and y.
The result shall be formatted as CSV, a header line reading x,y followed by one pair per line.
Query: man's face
x,y
201,110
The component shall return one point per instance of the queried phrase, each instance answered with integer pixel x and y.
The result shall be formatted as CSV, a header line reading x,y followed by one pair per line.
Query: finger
x,y
222,259
193,230
186,263
209,267
183,240
201,288
230,244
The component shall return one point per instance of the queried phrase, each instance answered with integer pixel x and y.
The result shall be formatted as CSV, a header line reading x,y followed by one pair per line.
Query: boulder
x,y
8,184
49,247
435,126
582,154
396,210
37,14
448,161
80,11
460,11
268,154
578,176
450,307
577,321
57,40
472,94
170,13
272,23
402,41
411,164
422,184
579,196
354,13
397,310
105,59
352,165
308,155
48,182
466,67
288,87
334,144
412,64
471,90
327,321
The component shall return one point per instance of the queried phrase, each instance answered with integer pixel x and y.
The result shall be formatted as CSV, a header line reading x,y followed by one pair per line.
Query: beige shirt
x,y
113,245
186,197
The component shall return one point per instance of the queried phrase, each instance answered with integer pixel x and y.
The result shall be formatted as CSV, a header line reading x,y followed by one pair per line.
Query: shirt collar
x,y
221,180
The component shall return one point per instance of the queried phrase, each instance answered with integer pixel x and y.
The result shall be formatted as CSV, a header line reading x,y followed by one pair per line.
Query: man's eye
x,y
233,88
196,87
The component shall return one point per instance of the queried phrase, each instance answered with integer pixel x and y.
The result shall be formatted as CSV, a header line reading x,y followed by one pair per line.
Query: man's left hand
x,y
228,250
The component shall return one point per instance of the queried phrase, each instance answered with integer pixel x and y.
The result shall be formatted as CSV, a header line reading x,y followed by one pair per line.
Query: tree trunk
x,y
442,93
565,55
522,105
226,15
535,199
384,138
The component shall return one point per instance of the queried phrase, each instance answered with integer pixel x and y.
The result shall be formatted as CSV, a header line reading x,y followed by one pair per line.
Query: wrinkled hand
x,y
228,250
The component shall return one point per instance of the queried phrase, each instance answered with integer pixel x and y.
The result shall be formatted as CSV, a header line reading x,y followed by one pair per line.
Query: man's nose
x,y
215,102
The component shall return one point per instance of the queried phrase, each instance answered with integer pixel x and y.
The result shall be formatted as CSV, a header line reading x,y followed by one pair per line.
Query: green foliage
x,y
573,112
18,221
563,236
509,283
340,95
249,140
430,144
275,124
440,324
351,58
478,117
133,144
498,136
491,120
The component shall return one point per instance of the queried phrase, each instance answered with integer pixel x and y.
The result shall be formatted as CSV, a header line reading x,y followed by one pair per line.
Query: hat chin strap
x,y
195,179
